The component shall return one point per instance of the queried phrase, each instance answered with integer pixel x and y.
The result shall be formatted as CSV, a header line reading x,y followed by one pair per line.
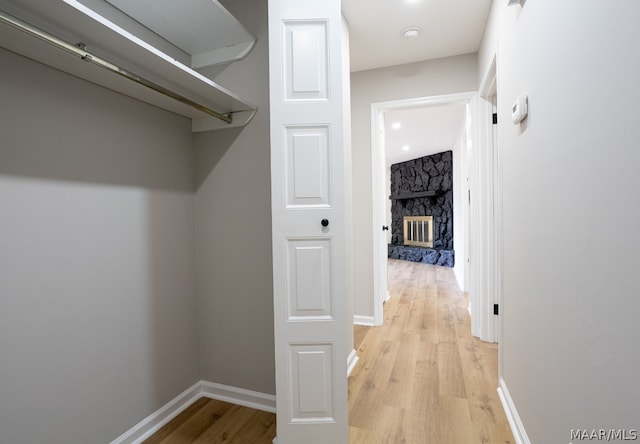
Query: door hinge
x,y
495,118
495,309
469,193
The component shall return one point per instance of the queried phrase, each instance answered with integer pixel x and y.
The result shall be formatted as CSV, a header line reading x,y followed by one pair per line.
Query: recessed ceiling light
x,y
396,125
411,33
406,148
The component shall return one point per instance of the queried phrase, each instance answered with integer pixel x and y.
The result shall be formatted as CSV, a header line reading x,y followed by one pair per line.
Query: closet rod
x,y
78,50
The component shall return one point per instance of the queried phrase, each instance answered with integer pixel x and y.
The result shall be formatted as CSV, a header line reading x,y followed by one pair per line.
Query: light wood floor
x,y
421,379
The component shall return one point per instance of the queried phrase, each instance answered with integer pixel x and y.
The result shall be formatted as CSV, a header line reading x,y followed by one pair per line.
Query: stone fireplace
x,y
422,210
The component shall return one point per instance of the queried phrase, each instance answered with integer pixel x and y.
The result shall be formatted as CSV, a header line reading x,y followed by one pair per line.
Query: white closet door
x,y
308,205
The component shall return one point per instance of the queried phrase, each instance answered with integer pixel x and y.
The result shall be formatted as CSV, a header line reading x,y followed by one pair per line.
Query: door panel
x,y
307,164
308,221
306,65
312,383
309,289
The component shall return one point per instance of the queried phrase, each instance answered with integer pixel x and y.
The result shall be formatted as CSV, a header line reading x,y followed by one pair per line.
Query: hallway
x,y
422,377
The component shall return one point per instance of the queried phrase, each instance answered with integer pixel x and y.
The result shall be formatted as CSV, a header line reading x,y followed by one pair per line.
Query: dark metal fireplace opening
x,y
417,231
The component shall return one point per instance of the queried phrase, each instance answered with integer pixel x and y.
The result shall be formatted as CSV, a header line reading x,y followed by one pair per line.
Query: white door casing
x,y
486,280
308,221
380,191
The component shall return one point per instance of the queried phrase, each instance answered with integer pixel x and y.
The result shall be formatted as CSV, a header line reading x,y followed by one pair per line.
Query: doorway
x,y
460,133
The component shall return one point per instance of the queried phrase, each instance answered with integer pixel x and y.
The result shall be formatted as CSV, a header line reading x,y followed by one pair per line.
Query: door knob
x,y
324,222
385,228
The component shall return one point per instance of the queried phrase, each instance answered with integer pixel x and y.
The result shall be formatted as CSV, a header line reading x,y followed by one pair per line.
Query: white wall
x,y
430,78
97,295
570,212
460,206
233,228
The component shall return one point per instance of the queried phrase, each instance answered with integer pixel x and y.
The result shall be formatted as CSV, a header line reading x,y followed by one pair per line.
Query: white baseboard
x,y
352,360
243,397
364,320
154,422
517,428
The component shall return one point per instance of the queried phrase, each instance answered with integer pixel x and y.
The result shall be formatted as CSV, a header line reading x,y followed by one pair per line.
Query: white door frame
x,y
486,279
378,186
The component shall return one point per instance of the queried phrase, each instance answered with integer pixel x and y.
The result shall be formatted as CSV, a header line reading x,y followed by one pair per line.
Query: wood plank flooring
x,y
208,421
421,379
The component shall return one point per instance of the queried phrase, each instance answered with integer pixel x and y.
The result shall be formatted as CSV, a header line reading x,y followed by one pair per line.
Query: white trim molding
x,y
369,321
243,397
515,423
234,395
152,423
486,236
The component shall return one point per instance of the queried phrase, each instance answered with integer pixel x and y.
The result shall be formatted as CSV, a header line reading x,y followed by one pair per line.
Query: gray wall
x,y
571,283
233,226
430,78
97,294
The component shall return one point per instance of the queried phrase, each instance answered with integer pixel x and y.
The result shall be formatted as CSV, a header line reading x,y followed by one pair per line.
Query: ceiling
x,y
447,28
422,132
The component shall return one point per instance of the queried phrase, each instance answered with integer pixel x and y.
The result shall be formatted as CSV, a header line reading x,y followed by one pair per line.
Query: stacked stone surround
x,y
431,174
424,255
